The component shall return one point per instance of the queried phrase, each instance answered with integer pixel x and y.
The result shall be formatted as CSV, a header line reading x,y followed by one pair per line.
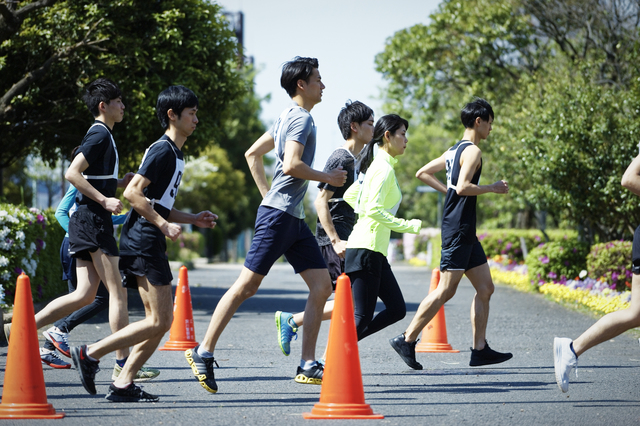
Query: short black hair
x,y
100,90
478,108
175,98
352,112
298,68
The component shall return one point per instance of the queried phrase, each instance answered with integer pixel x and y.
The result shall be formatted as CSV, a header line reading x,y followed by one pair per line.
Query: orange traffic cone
x,y
182,335
434,335
342,394
24,395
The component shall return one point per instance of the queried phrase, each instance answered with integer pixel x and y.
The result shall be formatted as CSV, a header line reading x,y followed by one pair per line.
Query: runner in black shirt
x,y
94,172
144,265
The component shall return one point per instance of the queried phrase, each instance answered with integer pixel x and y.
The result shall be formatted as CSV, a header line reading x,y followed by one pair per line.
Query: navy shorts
x,y
90,231
635,253
462,257
278,233
335,264
157,270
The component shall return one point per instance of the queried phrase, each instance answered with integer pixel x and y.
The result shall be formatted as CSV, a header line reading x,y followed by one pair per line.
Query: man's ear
x,y
102,106
301,84
172,115
354,128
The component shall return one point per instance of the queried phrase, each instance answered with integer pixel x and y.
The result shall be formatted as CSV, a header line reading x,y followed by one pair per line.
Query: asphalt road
x,y
256,384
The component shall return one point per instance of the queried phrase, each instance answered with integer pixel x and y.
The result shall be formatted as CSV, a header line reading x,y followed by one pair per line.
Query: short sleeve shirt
x,y
163,165
99,149
342,214
287,192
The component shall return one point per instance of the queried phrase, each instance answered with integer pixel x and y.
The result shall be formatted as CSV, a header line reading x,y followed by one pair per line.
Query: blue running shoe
x,y
286,332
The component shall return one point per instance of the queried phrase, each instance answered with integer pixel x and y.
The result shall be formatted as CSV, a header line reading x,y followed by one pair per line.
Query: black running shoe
x,y
407,351
487,356
310,376
131,393
86,368
202,369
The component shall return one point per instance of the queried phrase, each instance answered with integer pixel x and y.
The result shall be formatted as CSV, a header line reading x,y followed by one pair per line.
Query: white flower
x,y
3,261
20,235
582,274
4,232
5,277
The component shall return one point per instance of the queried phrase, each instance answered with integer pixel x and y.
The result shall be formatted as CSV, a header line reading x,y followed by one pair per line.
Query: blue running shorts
x,y
278,233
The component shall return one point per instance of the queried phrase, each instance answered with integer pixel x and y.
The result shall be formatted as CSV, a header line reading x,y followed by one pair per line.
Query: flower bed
x,y
595,295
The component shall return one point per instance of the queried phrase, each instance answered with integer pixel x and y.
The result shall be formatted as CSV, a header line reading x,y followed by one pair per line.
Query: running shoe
x,y
131,393
406,350
310,376
202,368
487,356
86,368
286,332
58,339
144,374
564,359
52,359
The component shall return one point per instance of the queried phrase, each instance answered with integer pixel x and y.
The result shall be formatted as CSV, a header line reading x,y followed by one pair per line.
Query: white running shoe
x,y
564,359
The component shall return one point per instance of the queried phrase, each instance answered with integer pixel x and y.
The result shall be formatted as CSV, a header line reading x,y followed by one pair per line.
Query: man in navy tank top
x,y
462,253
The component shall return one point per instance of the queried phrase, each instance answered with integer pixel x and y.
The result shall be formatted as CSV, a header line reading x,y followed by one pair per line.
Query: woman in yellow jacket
x,y
376,198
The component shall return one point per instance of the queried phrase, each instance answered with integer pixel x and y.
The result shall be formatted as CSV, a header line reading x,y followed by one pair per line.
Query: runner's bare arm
x,y
427,174
74,176
294,166
254,156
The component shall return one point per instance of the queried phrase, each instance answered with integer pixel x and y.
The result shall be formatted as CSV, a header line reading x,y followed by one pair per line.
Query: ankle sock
x,y
573,350
203,353
305,365
121,362
292,323
122,387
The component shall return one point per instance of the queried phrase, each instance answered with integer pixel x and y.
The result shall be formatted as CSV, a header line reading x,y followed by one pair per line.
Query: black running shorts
x,y
89,231
157,270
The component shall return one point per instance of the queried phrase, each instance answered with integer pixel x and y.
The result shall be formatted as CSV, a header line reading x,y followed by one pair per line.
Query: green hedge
x,y
611,262
507,241
557,261
30,241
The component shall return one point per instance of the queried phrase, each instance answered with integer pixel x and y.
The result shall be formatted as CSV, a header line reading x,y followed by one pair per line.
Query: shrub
x,y
611,262
30,243
556,261
187,248
507,242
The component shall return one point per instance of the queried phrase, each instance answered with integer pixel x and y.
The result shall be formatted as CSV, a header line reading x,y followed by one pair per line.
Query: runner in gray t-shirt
x,y
335,217
280,228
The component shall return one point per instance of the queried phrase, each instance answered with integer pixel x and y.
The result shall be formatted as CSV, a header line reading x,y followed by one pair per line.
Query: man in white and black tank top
x,y
462,253
143,263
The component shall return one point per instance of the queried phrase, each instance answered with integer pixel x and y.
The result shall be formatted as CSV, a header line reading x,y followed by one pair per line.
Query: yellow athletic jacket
x,y
376,201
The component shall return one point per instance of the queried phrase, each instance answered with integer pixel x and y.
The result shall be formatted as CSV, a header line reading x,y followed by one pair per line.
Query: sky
x,y
345,36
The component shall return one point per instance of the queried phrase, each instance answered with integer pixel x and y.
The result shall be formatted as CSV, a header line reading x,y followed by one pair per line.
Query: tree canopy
x,y
562,78
51,49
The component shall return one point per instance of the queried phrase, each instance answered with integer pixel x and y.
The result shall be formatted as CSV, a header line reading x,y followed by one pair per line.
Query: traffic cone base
x,y
24,395
434,335
29,411
342,394
182,333
341,411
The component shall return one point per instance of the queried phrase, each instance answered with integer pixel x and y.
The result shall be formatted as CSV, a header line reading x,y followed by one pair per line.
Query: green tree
x,y
562,76
54,51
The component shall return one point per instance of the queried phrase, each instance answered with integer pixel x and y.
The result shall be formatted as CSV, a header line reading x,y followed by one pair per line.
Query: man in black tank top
x,y
462,253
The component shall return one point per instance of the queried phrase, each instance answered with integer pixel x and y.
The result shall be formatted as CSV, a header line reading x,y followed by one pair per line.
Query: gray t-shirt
x,y
287,192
